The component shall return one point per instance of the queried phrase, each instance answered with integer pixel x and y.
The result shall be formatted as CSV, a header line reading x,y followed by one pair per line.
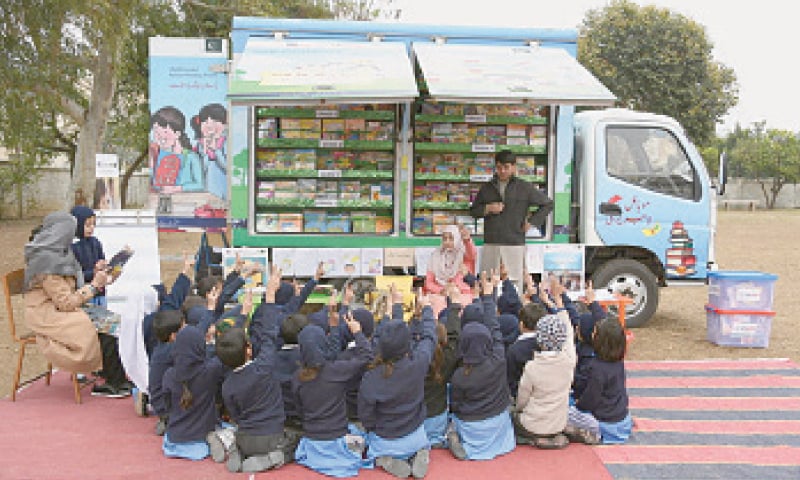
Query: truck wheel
x,y
633,279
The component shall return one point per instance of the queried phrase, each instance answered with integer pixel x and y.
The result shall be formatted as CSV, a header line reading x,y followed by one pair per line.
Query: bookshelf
x,y
454,148
324,169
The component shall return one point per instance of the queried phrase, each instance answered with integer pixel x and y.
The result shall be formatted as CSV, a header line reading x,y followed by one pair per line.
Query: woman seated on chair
x,y
55,293
454,258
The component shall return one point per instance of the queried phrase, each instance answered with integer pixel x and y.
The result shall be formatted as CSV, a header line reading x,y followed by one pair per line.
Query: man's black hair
x,y
505,156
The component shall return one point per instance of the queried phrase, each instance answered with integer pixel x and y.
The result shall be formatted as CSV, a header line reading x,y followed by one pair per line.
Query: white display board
x,y
132,295
340,262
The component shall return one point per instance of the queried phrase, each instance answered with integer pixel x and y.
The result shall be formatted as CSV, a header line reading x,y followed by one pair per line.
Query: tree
x,y
772,159
75,76
658,61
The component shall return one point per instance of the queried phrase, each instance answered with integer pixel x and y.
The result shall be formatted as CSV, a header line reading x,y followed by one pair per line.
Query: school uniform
x,y
517,355
543,394
350,350
606,398
166,301
436,401
480,398
252,394
321,402
392,410
187,428
286,303
584,350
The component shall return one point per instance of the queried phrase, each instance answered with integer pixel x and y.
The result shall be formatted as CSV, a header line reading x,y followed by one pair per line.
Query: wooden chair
x,y
13,286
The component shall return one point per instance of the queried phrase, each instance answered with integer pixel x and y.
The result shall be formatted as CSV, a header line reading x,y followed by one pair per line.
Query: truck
x,y
354,143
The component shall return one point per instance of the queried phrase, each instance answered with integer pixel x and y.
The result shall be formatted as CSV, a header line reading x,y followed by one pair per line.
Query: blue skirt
x,y
617,432
329,457
402,448
436,428
488,438
192,450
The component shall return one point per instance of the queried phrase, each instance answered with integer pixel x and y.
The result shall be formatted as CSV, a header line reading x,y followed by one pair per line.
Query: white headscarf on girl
x,y
446,264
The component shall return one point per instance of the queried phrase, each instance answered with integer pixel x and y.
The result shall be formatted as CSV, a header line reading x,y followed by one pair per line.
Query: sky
x,y
749,37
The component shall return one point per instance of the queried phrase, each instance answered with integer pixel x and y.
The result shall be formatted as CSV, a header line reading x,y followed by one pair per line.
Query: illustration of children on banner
x,y
175,166
210,127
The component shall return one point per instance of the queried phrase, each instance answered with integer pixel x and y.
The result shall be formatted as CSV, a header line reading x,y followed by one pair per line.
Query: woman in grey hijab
x,y
55,293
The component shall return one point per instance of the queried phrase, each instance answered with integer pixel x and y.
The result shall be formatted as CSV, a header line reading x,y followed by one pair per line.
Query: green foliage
x,y
771,158
659,61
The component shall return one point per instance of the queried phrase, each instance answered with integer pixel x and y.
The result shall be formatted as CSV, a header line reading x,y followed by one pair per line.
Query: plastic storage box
x,y
741,290
738,328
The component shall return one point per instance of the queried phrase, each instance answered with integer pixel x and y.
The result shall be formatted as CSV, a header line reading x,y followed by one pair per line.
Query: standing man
x,y
504,203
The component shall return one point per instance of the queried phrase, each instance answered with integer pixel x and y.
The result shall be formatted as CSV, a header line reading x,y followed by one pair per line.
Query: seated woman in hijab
x,y
55,293
449,263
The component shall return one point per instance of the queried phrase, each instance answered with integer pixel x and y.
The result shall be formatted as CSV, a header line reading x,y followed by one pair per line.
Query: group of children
x,y
336,391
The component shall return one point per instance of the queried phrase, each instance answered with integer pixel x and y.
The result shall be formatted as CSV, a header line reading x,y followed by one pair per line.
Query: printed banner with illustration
x,y
188,158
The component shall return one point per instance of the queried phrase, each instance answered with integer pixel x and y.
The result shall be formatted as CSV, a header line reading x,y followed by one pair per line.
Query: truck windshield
x,y
651,158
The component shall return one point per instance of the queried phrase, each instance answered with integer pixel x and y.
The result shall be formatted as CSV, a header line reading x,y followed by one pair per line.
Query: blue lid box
x,y
741,290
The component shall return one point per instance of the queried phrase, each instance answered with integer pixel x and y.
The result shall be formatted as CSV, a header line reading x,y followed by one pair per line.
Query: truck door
x,y
652,192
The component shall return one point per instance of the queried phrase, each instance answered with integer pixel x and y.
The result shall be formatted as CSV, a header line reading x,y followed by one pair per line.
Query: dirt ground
x,y
762,240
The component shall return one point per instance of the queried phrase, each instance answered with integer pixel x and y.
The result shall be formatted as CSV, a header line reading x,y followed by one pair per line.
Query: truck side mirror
x,y
723,172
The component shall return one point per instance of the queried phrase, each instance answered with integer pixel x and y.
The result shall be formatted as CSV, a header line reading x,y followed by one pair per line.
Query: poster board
x,y
566,262
132,295
337,263
257,258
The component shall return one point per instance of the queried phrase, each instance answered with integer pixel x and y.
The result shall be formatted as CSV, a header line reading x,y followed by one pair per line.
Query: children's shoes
x,y
259,463
397,467
455,445
419,466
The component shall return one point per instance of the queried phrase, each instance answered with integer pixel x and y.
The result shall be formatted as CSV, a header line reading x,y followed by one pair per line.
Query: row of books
x,y
445,192
319,221
481,134
357,107
504,110
433,222
325,189
312,159
326,129
472,164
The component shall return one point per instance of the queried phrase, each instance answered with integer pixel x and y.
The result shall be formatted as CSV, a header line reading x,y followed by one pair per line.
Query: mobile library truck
x,y
355,143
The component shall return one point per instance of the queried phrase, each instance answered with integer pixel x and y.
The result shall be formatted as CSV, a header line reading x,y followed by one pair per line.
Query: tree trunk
x,y
126,177
93,131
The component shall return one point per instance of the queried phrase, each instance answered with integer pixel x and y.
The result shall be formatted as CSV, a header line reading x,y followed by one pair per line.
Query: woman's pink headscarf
x,y
446,264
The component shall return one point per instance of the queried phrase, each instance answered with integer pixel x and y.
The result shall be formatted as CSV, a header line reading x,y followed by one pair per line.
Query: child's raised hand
x,y
589,292
463,231
238,264
423,300
188,262
397,295
212,296
349,294
320,271
297,287
452,292
352,324
247,302
332,300
503,271
333,314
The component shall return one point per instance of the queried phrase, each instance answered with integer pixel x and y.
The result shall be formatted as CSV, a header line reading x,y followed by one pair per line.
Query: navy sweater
x,y
252,392
279,312
321,401
517,355
483,393
88,251
172,301
394,407
160,361
605,395
583,347
193,424
436,392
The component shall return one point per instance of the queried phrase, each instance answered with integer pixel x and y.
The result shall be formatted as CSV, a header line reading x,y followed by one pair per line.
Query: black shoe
x,y
109,391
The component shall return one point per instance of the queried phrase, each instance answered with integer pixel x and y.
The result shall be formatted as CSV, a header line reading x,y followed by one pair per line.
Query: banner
x,y
188,157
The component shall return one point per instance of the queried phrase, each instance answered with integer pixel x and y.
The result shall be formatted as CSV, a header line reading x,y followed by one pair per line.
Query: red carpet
x,y
47,435
711,420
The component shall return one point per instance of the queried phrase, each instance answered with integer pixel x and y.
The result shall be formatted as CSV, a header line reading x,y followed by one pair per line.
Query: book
x,y
120,259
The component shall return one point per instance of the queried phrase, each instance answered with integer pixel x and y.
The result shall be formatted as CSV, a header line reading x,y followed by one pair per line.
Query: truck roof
x,y
623,115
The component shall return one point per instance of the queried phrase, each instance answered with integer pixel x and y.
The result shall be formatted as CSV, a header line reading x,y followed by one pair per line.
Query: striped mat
x,y
720,419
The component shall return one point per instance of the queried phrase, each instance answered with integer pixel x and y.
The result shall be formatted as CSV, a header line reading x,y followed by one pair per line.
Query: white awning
x,y
272,69
484,73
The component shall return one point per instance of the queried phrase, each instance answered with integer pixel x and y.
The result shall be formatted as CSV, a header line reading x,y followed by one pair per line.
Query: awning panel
x,y
308,70
491,73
